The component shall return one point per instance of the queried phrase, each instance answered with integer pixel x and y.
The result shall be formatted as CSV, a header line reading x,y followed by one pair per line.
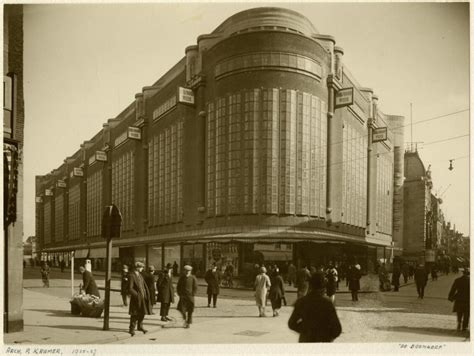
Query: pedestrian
x,y
396,277
150,279
229,275
314,316
277,291
459,294
187,289
421,279
302,281
434,273
261,285
45,274
166,292
405,272
291,274
383,279
88,283
140,304
353,279
124,285
175,269
411,271
212,279
331,285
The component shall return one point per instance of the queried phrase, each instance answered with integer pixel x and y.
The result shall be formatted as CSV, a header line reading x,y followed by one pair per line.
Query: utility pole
x,y
411,127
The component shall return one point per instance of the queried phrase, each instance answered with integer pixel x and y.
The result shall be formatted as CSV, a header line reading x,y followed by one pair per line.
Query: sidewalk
x,y
378,317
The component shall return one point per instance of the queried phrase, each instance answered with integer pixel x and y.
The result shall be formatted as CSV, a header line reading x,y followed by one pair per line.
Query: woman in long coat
x,y
277,291
262,283
166,292
140,302
212,279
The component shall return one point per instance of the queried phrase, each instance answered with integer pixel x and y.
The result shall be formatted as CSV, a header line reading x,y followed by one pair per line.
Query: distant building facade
x,y
13,128
236,155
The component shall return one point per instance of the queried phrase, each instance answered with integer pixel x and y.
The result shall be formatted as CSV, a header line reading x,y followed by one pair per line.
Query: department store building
x,y
247,151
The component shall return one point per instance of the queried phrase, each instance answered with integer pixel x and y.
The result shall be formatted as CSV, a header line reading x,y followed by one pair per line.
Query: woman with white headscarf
x,y
262,283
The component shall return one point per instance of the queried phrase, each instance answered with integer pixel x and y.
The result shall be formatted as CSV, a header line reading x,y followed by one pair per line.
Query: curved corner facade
x,y
239,155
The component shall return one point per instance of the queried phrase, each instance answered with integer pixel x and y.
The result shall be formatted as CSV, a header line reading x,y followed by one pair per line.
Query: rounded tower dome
x,y
262,17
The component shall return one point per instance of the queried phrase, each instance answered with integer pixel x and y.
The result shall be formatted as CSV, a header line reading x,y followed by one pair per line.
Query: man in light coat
x,y
262,284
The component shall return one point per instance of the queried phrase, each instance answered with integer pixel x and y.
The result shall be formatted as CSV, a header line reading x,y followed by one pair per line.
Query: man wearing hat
x,y
459,294
124,285
139,299
187,288
314,316
166,292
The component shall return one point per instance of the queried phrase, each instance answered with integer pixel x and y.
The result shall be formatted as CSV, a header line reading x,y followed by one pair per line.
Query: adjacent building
x,y
244,151
13,125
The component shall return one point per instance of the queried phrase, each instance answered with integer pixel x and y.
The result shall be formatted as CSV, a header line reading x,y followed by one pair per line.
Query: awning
x,y
102,252
81,253
276,255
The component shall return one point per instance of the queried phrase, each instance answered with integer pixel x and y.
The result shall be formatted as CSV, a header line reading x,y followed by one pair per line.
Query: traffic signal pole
x,y
108,278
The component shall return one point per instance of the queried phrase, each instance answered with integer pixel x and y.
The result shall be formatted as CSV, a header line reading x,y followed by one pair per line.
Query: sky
x,y
84,63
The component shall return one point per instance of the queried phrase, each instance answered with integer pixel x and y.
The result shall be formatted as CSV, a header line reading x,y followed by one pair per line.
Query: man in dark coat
x,y
88,283
124,285
314,316
166,292
140,304
150,281
187,288
302,281
460,294
421,279
212,279
353,279
396,277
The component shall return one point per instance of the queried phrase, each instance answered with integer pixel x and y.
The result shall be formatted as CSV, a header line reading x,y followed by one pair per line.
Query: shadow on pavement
x,y
423,330
53,312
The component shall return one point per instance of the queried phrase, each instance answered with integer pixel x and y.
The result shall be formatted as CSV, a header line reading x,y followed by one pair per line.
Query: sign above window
x,y
186,96
134,133
61,184
77,172
344,97
48,193
101,156
379,134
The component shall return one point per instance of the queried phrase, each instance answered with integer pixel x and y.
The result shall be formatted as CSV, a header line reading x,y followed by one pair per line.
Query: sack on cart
x,y
87,305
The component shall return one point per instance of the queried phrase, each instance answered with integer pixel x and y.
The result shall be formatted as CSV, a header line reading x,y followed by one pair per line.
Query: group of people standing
x,y
146,288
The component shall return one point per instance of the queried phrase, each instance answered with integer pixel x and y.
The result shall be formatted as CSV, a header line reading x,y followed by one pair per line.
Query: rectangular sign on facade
x,y
101,156
134,133
344,97
186,96
39,199
379,134
48,192
77,172
61,184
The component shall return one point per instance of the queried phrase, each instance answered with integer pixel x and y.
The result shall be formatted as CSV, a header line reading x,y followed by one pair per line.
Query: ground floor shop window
x,y
155,256
173,256
193,255
225,256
